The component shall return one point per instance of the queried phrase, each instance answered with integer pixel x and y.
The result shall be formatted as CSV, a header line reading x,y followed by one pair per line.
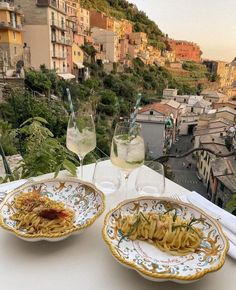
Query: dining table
x,y
84,262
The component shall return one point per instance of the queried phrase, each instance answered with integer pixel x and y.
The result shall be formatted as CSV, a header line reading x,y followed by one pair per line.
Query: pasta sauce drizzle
x,y
38,214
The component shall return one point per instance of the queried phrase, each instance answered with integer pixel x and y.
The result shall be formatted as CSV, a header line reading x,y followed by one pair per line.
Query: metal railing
x,y
62,40
58,24
10,25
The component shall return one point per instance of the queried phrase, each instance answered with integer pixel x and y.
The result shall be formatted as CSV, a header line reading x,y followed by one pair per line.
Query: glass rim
x,y
126,123
77,114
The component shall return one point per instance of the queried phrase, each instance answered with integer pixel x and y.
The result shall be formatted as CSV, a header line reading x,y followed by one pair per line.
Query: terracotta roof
x,y
226,109
212,126
173,104
213,94
227,102
223,166
161,108
211,138
215,147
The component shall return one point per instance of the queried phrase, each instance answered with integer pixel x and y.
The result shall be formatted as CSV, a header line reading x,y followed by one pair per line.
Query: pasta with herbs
x,y
37,214
166,231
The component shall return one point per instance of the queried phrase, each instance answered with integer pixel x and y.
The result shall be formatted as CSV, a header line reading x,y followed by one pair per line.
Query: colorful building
x,y
71,30
184,50
84,21
11,40
218,68
222,181
109,41
137,44
126,28
46,33
101,20
214,143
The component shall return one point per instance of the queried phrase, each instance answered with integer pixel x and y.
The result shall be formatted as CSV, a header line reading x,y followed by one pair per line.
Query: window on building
x,y
52,15
14,35
74,53
53,50
62,22
192,109
54,65
15,50
151,112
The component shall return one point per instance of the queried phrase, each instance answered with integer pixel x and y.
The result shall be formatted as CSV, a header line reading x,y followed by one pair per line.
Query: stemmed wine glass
x,y
151,179
81,136
127,150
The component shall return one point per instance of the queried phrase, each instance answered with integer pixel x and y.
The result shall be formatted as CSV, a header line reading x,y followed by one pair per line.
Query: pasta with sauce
x,y
166,231
37,214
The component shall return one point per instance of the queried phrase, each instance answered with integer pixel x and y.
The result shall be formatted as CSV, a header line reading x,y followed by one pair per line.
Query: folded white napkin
x,y
226,219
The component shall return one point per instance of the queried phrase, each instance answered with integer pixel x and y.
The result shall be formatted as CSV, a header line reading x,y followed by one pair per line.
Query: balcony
x,y
62,40
9,25
58,24
10,7
59,56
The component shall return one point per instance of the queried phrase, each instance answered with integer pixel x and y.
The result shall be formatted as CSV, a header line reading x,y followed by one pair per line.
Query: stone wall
x,y
13,162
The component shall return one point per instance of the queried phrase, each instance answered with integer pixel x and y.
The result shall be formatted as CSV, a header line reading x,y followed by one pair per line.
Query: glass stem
x,y
81,159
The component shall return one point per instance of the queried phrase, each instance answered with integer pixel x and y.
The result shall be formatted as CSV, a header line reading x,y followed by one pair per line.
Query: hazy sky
x,y
210,23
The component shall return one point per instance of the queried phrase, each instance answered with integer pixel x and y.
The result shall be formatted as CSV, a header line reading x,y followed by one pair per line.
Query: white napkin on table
x,y
227,220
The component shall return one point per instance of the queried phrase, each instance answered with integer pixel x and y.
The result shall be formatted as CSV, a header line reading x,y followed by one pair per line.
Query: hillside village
x,y
66,37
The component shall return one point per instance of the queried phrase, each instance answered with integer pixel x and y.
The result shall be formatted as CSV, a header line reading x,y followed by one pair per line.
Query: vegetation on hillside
x,y
107,96
122,9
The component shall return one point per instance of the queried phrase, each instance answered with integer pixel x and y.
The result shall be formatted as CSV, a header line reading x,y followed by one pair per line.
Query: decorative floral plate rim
x,y
67,233
159,276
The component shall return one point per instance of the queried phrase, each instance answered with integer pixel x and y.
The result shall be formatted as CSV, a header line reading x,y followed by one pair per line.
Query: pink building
x,y
124,48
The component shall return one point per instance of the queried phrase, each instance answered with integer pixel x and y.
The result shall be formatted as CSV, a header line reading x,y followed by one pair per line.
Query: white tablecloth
x,y
83,262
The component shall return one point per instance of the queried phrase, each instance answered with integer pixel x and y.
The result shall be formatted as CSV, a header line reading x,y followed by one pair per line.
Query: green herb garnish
x,y
132,229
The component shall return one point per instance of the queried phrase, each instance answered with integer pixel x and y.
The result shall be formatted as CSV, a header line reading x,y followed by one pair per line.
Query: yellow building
x,y
77,54
46,33
11,43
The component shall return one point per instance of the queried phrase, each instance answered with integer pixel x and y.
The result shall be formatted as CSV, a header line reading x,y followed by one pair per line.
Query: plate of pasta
x,y
164,239
51,209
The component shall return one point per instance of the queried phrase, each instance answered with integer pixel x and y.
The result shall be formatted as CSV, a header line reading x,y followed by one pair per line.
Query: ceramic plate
x,y
151,262
83,198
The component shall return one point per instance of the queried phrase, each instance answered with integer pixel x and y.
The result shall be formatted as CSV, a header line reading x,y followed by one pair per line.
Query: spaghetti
x,y
166,231
37,214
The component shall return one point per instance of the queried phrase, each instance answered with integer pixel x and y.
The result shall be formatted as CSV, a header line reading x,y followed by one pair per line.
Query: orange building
x,y
126,28
137,44
185,50
101,20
